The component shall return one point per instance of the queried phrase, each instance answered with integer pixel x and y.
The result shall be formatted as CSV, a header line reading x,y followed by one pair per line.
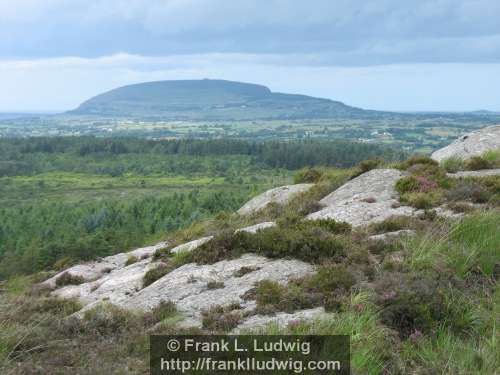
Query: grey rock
x,y
385,237
482,173
351,202
258,322
279,195
94,270
471,144
190,246
187,285
257,227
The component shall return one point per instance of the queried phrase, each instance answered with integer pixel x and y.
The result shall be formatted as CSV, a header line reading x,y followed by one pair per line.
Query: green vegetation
x,y
422,304
428,186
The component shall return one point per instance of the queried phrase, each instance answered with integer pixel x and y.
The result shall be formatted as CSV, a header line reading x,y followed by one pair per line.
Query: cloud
x,y
63,83
349,32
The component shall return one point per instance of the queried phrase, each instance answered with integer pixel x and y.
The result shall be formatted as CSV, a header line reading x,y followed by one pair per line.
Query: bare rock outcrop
x,y
187,285
279,195
368,198
94,270
471,144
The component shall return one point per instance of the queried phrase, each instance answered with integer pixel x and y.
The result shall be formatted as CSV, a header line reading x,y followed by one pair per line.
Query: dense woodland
x,y
78,198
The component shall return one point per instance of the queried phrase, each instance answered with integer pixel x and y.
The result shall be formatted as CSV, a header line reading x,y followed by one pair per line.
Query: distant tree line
x,y
20,156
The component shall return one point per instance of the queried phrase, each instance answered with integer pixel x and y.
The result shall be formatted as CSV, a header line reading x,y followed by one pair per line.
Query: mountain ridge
x,y
211,99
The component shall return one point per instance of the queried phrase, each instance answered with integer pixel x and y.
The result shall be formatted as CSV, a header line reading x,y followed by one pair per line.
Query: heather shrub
x,y
464,190
407,184
414,160
68,279
272,297
423,201
220,318
308,175
308,243
477,163
164,310
155,274
410,303
215,285
131,260
365,166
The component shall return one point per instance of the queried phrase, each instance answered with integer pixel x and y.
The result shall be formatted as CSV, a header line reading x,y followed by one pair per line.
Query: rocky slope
x,y
367,199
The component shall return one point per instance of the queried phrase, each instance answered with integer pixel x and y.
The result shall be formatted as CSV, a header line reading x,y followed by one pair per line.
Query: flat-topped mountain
x,y
211,100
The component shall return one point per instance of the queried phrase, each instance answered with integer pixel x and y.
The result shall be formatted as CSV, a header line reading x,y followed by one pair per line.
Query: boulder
x,y
279,195
368,198
471,144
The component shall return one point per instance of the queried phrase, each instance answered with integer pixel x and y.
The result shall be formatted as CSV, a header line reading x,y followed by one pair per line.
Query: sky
x,y
411,55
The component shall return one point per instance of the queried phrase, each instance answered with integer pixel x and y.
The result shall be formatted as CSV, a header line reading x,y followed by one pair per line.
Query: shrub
x,y
407,184
368,165
155,274
215,285
309,175
391,224
453,164
107,320
272,297
307,243
244,270
410,303
463,190
131,260
63,263
477,163
331,278
331,225
220,318
423,201
365,166
418,159
68,279
164,310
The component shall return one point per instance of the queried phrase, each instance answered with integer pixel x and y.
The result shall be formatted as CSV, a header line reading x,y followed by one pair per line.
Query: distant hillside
x,y
211,100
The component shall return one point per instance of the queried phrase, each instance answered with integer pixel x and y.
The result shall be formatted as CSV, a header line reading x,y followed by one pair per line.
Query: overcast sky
x,y
379,54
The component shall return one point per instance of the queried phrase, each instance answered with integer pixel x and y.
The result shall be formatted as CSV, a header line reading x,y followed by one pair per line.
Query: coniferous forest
x,y
77,198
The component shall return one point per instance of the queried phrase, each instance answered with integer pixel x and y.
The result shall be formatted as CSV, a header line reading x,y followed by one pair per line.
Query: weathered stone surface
x,y
482,173
190,246
257,227
471,144
187,285
115,287
94,270
256,322
279,195
385,237
368,198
